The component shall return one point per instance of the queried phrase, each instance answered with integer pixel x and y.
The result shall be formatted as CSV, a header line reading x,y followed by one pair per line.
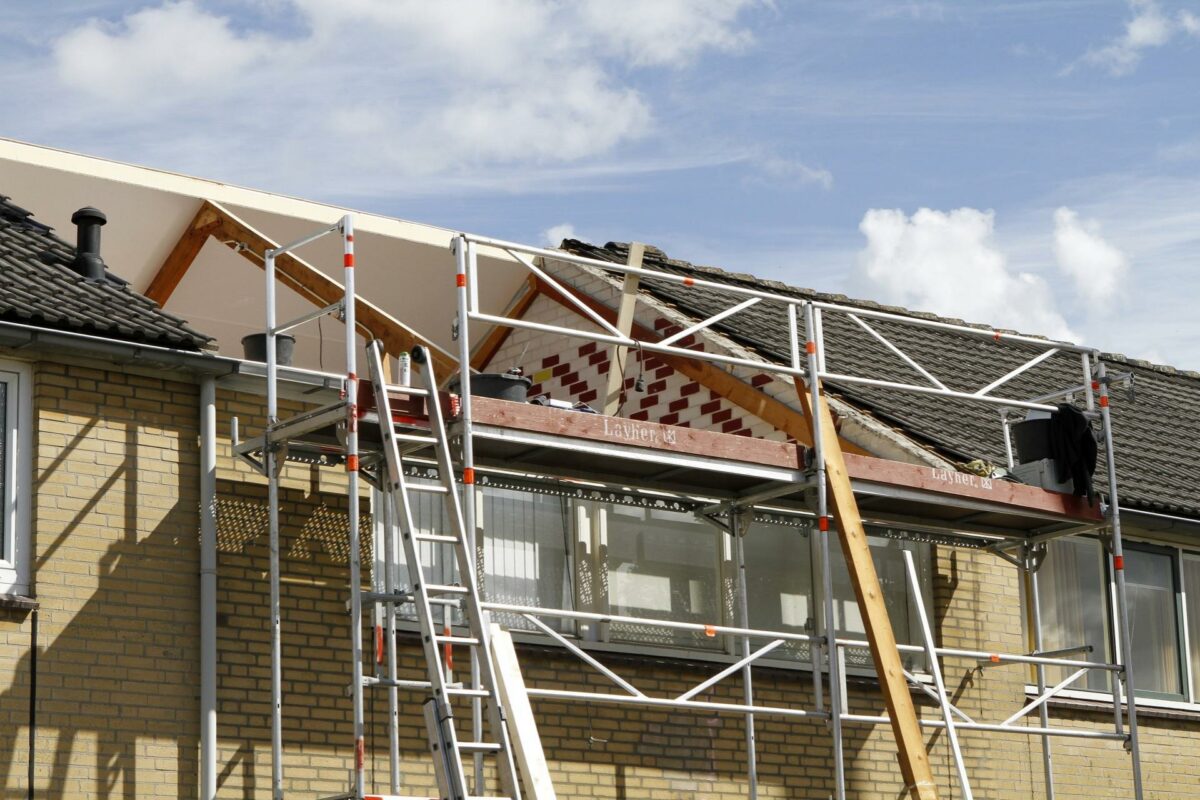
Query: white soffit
x,y
404,267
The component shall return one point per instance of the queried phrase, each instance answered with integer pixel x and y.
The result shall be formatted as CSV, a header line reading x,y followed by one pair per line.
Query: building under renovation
x,y
310,503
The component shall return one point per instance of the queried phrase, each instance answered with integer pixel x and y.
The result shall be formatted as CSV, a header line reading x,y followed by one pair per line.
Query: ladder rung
x,y
462,691
431,488
437,588
415,437
466,640
435,537
479,747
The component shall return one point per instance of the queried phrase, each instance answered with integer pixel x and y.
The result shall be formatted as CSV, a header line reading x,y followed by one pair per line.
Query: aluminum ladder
x,y
447,748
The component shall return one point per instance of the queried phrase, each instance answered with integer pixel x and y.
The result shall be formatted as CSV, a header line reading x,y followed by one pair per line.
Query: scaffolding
x,y
1015,524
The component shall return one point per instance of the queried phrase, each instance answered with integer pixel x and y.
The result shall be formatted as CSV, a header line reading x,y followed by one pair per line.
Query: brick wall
x,y
116,572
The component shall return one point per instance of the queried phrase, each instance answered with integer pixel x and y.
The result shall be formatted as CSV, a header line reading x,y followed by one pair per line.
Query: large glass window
x,y
1072,587
661,564
15,406
1191,606
779,582
1163,593
527,553
1153,622
888,555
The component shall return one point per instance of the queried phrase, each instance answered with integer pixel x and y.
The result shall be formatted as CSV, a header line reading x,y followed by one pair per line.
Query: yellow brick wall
x,y
115,544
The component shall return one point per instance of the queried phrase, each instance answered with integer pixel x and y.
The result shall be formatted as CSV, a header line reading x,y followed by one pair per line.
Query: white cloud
x,y
155,53
786,170
1096,268
554,235
948,263
666,32
1149,27
380,95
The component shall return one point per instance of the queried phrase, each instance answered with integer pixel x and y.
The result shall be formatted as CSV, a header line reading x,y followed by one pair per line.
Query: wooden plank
x,y
635,433
964,484
522,727
741,394
309,282
914,761
629,290
490,344
183,254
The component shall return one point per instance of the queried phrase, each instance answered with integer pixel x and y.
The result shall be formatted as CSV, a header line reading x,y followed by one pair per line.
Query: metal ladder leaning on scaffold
x,y
444,742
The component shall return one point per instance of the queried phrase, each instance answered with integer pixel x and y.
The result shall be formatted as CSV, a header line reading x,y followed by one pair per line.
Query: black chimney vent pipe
x,y
88,262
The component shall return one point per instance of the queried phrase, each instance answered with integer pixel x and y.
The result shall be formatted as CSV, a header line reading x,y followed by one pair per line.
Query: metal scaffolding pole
x,y
271,468
1030,568
465,279
1118,569
738,527
835,670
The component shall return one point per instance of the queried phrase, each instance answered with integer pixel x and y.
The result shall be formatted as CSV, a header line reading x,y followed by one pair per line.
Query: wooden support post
x,y
522,727
629,289
914,761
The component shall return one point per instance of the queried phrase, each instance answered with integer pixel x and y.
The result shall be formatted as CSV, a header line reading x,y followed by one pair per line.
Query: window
x,y
661,564
638,556
1163,593
15,453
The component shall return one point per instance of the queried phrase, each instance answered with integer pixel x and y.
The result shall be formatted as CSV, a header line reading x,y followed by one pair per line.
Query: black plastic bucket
x,y
499,385
1033,440
254,347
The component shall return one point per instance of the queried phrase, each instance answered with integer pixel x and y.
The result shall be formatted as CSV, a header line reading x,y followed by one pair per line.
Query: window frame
x,y
16,536
1189,700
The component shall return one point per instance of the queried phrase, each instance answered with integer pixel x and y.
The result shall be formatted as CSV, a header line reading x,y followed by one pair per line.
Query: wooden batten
x,y
180,259
910,745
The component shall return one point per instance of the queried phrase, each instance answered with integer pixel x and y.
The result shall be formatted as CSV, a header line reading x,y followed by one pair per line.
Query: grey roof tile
x,y
38,287
1156,432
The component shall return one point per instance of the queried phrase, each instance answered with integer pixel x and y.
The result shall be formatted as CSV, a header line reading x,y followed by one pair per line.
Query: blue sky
x,y
1029,163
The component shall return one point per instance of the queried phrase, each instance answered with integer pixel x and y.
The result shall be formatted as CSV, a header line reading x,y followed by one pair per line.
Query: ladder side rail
x,y
464,551
439,717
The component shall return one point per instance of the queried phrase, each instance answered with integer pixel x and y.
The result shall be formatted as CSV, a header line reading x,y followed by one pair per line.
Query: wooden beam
x,y
914,761
736,391
522,725
321,290
180,259
629,290
496,337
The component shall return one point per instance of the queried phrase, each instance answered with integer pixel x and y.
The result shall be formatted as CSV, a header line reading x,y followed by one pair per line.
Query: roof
x,y
40,288
1156,430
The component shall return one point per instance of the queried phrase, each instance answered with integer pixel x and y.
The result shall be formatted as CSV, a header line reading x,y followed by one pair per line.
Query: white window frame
x,y
18,449
1190,700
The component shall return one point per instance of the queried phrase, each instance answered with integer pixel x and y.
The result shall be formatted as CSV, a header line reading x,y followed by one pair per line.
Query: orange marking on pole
x,y
378,644
349,237
994,659
710,631
810,347
469,476
996,335
460,280
823,523
351,463
1104,401
689,281
1095,386
1118,562
348,260
448,649
360,752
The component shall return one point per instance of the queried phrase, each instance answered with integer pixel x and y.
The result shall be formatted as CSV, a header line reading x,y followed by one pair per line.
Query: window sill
x,y
18,602
1101,702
